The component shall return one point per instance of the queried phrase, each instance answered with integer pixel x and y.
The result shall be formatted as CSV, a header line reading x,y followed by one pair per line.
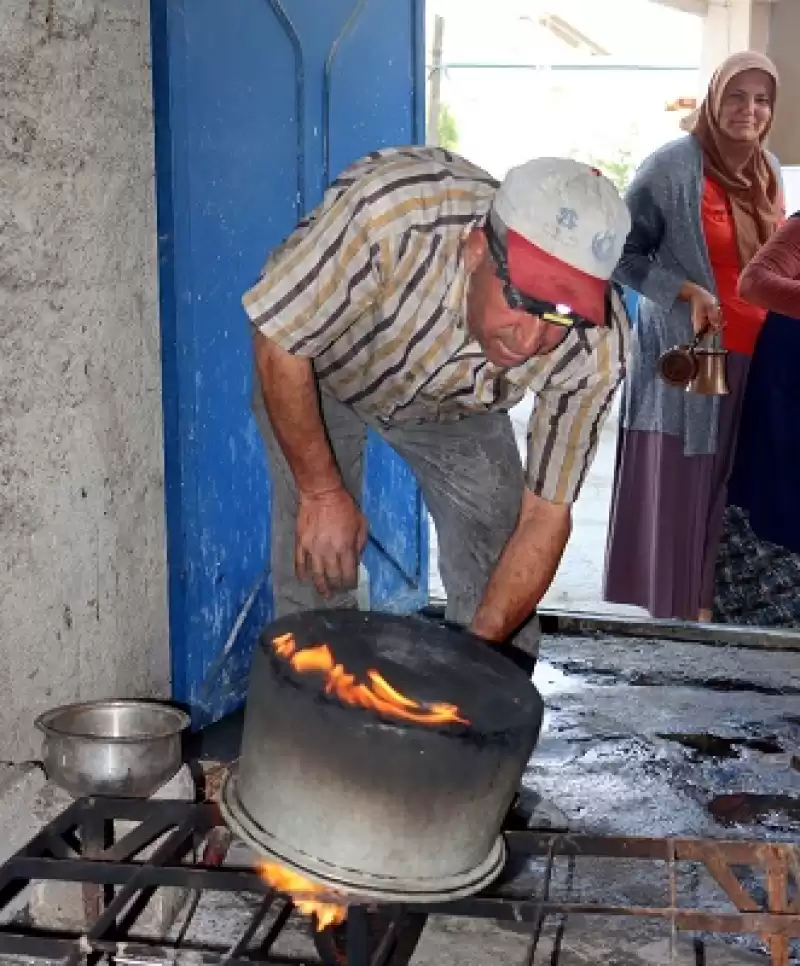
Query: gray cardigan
x,y
666,247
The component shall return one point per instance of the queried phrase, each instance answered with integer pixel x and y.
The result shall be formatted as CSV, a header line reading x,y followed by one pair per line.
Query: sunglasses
x,y
550,312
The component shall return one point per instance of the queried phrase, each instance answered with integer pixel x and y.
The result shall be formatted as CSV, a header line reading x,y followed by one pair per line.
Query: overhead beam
x,y
700,7
571,35
697,7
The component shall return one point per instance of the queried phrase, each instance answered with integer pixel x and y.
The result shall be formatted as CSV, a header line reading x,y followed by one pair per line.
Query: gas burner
x,y
375,934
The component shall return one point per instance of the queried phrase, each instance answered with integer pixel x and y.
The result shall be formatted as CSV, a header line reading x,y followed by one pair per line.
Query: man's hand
x,y
704,308
526,568
331,530
331,535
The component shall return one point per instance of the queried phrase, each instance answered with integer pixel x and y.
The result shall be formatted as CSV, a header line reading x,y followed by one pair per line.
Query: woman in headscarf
x,y
701,207
758,568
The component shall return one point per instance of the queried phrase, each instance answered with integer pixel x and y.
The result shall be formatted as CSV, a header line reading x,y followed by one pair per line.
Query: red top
x,y
743,321
772,279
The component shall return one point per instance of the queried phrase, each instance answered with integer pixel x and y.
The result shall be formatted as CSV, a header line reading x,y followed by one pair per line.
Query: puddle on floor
x,y
776,812
715,746
591,674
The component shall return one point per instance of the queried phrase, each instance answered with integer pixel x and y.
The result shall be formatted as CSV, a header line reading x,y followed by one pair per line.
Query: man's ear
x,y
476,249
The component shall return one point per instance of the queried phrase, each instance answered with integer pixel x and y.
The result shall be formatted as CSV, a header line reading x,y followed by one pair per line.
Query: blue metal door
x,y
258,104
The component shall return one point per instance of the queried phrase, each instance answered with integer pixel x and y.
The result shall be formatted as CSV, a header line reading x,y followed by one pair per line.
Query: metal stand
x,y
77,847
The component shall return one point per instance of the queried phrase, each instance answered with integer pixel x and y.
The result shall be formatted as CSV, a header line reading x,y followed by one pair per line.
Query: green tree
x,y
618,169
448,129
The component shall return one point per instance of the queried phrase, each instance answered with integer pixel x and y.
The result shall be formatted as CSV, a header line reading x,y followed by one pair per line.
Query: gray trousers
x,y
472,480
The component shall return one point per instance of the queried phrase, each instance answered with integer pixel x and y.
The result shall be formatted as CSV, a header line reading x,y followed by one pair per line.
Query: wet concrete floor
x,y
641,737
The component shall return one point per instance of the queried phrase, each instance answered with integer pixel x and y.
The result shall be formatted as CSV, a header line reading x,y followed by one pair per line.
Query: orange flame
x,y
378,695
302,891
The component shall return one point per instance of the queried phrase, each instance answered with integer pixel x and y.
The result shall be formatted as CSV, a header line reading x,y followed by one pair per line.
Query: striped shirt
x,y
372,286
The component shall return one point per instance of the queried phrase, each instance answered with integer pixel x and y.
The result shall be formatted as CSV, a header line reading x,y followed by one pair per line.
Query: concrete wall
x,y
728,27
771,26
82,561
782,47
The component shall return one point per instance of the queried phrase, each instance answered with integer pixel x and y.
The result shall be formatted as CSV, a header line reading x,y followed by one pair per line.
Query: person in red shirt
x,y
742,319
758,568
701,207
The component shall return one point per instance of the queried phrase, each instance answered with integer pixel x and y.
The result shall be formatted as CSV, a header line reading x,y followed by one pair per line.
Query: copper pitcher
x,y
711,376
698,370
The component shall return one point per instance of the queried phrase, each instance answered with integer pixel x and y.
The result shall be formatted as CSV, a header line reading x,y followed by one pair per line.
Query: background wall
x,y
82,564
784,36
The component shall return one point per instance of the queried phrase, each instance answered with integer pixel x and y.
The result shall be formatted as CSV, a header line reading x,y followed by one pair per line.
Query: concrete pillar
x,y
83,609
784,36
727,28
760,17
770,26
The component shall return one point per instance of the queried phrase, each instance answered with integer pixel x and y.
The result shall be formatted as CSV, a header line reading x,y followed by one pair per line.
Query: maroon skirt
x,y
667,513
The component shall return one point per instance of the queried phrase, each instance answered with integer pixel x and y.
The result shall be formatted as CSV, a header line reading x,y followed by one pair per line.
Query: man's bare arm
x,y
525,569
291,398
331,530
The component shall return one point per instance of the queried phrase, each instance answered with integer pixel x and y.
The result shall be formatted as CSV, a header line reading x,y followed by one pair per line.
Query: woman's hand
x,y
703,306
706,315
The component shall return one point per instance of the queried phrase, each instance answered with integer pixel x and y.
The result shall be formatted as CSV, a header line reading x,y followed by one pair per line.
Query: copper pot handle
x,y
699,337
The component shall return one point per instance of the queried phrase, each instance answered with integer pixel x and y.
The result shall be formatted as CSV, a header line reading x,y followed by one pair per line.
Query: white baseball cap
x,y
565,226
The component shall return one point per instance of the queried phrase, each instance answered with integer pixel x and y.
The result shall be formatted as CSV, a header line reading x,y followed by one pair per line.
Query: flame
x,y
302,891
378,695
284,645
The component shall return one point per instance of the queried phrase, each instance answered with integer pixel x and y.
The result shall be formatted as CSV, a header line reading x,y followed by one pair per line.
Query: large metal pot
x,y
360,800
127,749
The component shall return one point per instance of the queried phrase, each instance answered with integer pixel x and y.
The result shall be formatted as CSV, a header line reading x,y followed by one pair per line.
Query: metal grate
x,y
757,882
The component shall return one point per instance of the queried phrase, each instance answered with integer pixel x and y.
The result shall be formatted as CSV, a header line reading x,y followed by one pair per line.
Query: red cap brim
x,y
540,275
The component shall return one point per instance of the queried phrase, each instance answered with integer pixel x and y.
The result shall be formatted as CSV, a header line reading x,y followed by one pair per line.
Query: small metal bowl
x,y
127,749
